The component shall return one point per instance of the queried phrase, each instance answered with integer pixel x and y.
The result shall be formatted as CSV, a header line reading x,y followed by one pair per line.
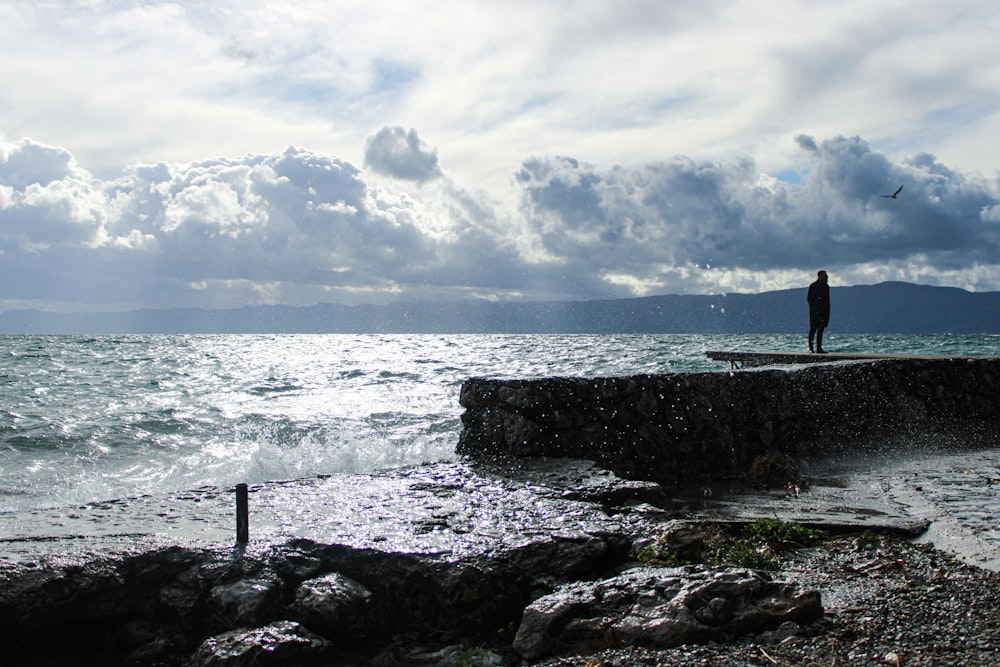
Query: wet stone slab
x,y
845,501
949,497
450,509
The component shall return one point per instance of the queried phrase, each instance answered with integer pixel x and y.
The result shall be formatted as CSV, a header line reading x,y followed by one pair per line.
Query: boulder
x,y
279,643
334,606
660,608
243,603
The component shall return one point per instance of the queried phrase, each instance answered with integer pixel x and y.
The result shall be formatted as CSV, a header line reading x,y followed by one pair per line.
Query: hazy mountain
x,y
891,307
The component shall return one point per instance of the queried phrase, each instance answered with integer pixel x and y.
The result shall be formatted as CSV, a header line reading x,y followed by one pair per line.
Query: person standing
x,y
819,311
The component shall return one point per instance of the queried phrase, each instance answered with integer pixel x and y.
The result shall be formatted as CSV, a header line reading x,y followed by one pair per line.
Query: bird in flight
x,y
893,195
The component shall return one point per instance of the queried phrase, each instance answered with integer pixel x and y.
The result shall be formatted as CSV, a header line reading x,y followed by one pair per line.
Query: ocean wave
x,y
89,417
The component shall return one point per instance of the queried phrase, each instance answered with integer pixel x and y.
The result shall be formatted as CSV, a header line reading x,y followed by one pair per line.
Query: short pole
x,y
242,514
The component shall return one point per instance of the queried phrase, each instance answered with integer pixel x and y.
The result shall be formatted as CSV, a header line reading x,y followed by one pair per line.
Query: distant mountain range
x,y
892,307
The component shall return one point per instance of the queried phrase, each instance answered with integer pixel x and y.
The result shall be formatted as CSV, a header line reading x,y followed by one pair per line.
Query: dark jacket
x,y
819,303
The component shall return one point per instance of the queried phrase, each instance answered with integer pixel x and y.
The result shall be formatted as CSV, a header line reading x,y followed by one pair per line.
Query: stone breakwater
x,y
678,427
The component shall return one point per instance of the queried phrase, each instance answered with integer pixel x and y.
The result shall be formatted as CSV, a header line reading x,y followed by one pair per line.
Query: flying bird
x,y
893,195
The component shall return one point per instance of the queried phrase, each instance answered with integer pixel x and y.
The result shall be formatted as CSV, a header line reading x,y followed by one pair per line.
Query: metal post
x,y
242,514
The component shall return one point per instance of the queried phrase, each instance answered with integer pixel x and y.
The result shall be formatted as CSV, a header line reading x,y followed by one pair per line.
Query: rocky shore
x,y
682,532
887,602
537,563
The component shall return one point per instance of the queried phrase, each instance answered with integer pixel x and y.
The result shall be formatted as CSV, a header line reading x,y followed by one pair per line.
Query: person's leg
x,y
812,333
819,339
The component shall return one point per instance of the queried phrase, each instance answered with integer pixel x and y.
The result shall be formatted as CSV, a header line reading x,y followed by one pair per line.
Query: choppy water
x,y
93,418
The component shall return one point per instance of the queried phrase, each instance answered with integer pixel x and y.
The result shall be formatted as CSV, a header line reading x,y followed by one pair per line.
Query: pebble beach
x,y
888,601
928,599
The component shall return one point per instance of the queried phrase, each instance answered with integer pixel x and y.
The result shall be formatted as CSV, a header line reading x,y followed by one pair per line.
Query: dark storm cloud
x,y
723,214
399,153
941,214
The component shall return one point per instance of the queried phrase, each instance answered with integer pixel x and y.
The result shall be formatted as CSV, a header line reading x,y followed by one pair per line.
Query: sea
x,y
93,418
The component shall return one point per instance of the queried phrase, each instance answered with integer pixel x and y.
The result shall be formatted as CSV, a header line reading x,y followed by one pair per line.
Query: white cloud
x,y
493,81
47,200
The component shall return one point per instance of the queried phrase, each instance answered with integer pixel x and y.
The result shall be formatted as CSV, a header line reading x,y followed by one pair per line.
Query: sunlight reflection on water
x,y
90,418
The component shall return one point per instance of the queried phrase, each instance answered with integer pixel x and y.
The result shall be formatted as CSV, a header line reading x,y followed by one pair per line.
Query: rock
x,y
65,595
448,656
279,643
783,632
659,607
183,595
773,470
244,603
139,632
679,541
446,553
334,606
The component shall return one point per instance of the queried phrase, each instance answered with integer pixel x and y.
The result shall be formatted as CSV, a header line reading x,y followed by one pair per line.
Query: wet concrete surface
x,y
946,497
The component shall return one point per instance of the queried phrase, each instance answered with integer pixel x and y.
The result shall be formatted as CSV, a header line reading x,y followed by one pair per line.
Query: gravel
x,y
887,601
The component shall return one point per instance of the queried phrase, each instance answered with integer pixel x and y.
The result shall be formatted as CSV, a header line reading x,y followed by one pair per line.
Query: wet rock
x,y
682,541
334,606
279,643
660,607
773,470
69,595
424,557
180,598
784,632
244,603
443,554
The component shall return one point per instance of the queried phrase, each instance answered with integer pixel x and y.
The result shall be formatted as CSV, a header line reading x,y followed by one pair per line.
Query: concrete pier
x,y
680,427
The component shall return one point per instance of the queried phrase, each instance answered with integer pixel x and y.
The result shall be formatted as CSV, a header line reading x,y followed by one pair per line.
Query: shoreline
x,y
554,521
887,601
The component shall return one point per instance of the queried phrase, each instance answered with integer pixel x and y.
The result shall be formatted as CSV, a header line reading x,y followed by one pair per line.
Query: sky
x,y
223,154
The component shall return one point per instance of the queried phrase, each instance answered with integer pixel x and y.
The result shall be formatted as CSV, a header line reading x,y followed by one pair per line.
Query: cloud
x,y
125,82
27,162
647,223
47,200
289,227
395,152
299,226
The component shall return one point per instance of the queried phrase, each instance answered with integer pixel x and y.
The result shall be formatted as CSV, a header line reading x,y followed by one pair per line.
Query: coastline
x,y
509,528
887,601
944,498
898,595
541,554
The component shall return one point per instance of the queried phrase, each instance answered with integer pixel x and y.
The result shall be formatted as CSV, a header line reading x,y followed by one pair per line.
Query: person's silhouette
x,y
819,311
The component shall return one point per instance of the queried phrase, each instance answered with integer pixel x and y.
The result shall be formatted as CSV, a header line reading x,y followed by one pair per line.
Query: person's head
x,y
821,276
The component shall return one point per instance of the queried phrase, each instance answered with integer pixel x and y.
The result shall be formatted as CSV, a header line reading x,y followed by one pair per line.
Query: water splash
x,y
93,418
